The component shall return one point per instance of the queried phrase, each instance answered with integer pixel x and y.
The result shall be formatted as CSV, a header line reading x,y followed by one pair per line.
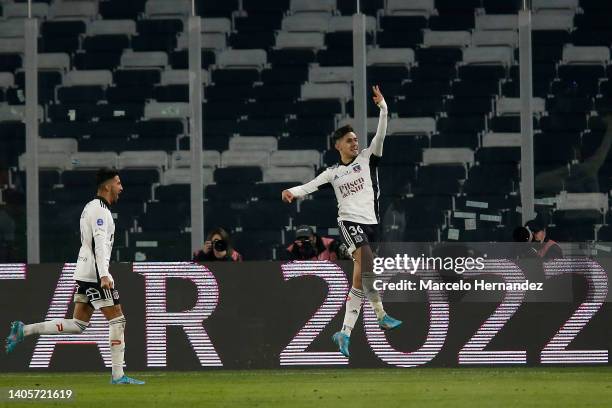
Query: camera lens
x,y
220,245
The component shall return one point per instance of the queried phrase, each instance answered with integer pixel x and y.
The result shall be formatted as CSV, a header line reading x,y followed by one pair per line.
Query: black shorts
x,y
356,235
93,294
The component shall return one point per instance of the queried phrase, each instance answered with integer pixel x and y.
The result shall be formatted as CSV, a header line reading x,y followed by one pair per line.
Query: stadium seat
x,y
118,9
267,215
81,10
293,40
183,176
230,193
491,179
439,179
297,174
216,8
319,212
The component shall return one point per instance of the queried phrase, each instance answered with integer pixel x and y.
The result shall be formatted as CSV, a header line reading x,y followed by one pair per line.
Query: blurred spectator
x,y
217,247
308,246
535,231
546,248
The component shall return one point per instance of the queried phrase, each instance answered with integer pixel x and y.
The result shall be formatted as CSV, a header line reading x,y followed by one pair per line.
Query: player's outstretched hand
x,y
378,96
287,196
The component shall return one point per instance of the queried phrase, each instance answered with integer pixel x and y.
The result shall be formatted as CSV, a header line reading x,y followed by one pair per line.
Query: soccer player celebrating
x,y
95,288
355,182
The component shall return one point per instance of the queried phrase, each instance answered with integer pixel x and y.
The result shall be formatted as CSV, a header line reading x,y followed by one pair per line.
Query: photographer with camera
x,y
308,246
534,231
217,247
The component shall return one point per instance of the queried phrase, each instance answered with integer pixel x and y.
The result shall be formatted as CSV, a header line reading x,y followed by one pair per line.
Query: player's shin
x,y
117,344
353,306
367,278
373,296
56,326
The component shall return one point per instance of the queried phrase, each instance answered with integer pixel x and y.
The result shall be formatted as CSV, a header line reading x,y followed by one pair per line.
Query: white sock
x,y
353,307
378,308
57,326
116,329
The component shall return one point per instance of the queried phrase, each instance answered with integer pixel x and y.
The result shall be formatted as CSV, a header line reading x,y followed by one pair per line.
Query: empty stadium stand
x,y
277,80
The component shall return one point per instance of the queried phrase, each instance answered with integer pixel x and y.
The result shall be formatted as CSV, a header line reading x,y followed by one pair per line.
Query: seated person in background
x,y
217,247
535,231
308,246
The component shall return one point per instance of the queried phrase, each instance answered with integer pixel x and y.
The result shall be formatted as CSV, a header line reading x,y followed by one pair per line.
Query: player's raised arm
x,y
376,147
305,189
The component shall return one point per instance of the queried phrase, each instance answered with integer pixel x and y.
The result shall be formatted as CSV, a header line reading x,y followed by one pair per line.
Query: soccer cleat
x,y
388,323
15,336
126,380
342,341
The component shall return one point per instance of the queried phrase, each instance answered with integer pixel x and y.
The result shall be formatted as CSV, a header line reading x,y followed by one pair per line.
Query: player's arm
x,y
376,147
305,189
99,223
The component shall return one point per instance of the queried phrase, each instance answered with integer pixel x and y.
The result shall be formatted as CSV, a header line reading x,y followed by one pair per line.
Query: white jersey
x,y
355,183
97,237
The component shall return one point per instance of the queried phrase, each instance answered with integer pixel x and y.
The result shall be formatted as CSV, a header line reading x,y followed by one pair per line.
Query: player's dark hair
x,y
104,174
341,132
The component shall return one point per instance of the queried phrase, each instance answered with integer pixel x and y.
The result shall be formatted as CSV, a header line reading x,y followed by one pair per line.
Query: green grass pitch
x,y
372,388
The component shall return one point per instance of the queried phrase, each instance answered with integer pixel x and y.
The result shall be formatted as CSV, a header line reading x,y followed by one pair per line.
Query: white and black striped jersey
x,y
97,237
355,183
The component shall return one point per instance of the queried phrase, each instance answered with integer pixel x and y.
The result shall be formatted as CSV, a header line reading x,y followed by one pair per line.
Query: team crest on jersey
x,y
357,168
100,222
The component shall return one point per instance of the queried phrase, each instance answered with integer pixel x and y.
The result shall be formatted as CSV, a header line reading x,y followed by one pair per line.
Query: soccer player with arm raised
x,y
355,182
95,288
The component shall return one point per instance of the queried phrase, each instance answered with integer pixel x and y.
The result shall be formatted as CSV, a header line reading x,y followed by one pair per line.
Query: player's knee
x,y
117,322
80,325
364,258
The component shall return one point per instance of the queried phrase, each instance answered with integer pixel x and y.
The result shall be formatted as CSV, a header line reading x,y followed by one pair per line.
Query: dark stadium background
x,y
113,90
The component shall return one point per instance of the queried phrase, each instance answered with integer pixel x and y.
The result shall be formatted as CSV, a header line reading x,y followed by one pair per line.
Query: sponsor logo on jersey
x,y
352,187
100,222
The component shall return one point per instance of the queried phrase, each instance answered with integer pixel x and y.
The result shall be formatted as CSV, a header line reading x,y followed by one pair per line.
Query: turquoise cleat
x,y
127,380
15,336
388,323
342,341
